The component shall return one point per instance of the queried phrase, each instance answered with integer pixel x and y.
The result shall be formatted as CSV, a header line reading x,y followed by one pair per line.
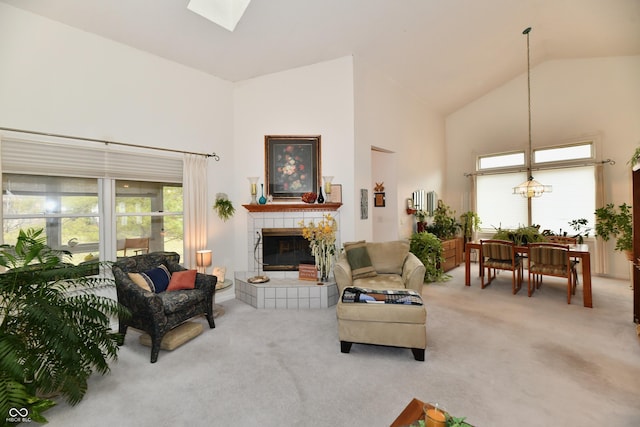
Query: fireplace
x,y
262,219
283,249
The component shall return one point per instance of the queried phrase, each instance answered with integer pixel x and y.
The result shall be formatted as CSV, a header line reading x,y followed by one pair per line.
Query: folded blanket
x,y
353,294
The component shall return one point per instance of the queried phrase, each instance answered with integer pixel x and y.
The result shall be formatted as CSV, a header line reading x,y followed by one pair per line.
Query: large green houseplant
x,y
54,329
617,223
428,248
521,236
445,225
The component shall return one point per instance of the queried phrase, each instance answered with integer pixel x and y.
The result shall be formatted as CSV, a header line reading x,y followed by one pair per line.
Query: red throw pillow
x,y
182,280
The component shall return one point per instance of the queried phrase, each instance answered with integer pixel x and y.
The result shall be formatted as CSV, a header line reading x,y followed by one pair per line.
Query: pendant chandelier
x,y
530,188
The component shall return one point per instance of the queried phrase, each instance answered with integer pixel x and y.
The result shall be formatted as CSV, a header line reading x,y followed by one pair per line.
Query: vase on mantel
x,y
320,196
262,200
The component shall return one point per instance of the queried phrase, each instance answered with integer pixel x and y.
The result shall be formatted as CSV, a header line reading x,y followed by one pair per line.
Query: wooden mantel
x,y
293,207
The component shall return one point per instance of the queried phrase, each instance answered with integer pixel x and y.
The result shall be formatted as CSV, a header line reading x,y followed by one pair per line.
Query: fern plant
x,y
223,207
54,330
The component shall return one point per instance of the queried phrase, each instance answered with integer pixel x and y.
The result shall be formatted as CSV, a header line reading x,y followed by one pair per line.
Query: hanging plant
x,y
223,207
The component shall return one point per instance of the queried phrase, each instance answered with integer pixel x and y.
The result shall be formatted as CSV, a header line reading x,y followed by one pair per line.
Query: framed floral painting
x,y
292,165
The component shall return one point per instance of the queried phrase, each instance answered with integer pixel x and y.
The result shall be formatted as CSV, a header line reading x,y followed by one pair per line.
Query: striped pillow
x,y
359,260
154,280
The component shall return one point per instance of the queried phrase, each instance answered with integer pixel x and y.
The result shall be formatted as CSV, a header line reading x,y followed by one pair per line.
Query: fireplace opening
x,y
283,249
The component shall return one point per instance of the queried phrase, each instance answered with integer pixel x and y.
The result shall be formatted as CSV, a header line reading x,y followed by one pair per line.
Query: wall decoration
x,y
292,165
379,187
364,203
378,200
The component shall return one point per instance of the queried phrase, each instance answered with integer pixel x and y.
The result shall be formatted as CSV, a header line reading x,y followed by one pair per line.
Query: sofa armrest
x,y
342,273
413,272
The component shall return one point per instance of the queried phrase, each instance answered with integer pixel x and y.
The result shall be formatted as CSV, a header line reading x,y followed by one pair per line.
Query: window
x,y
66,208
92,198
501,161
583,151
150,209
563,167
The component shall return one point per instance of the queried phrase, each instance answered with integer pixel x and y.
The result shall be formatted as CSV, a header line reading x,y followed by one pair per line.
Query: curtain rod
x,y
102,141
539,168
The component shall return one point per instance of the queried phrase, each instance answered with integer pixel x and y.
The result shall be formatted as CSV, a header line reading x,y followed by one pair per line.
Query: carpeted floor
x,y
496,358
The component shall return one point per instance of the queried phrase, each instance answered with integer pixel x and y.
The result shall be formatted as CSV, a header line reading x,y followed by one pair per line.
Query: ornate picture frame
x,y
292,165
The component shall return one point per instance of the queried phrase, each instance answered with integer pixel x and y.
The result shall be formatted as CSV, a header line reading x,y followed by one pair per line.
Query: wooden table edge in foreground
x,y
412,413
585,260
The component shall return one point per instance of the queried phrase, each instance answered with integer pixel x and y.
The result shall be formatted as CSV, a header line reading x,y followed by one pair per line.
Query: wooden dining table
x,y
580,251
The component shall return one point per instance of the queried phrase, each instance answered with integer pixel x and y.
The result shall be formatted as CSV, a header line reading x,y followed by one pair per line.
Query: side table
x,y
218,310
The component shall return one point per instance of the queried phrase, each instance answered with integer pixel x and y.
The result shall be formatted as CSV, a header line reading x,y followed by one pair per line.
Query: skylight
x,y
226,13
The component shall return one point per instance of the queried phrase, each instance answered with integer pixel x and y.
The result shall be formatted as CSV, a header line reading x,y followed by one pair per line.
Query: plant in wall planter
x,y
617,223
634,161
223,207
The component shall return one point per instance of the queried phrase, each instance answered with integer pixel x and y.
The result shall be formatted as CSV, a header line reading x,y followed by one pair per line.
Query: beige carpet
x,y
499,359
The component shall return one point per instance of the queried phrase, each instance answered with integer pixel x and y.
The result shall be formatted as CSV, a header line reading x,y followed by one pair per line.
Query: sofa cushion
x,y
359,260
139,280
380,282
174,302
381,313
182,280
158,277
388,257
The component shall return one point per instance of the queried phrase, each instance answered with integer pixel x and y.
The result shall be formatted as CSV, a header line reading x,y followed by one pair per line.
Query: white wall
x,y
312,100
57,79
390,118
384,170
570,98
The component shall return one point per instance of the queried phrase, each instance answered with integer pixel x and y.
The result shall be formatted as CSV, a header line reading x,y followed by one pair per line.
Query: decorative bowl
x,y
309,197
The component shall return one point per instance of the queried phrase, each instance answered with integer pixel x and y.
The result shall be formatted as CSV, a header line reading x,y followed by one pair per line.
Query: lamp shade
x,y
203,258
531,188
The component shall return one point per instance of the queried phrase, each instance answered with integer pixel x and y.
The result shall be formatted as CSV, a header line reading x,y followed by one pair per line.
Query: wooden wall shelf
x,y
293,207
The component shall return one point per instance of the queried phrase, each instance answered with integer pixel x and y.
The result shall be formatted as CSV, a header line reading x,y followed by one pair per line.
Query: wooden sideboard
x,y
452,251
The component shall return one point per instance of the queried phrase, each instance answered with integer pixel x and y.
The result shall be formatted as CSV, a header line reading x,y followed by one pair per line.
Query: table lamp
x,y
203,260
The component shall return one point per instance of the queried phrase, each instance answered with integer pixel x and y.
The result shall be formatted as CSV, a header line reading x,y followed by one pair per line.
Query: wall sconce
x,y
203,260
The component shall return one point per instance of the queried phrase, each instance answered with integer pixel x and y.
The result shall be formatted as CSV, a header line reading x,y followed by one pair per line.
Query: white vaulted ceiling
x,y
446,52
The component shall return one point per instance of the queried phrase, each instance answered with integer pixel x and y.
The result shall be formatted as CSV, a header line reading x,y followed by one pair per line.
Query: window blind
x,y
45,158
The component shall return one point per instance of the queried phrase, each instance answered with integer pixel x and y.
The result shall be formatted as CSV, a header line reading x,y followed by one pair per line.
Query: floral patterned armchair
x,y
158,313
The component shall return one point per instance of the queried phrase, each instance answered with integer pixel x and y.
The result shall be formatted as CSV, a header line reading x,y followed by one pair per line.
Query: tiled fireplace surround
x,y
283,290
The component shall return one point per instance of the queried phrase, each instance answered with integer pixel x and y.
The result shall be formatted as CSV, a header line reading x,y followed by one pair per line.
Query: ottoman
x,y
175,337
396,325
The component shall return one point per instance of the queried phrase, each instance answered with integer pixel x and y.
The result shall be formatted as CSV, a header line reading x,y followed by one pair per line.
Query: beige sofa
x,y
395,325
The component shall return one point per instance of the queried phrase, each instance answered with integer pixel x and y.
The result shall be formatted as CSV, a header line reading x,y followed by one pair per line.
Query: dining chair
x,y
549,259
138,245
501,255
567,240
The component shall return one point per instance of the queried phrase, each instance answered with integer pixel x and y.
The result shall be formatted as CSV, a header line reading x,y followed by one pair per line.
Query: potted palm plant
x,y
54,330
617,223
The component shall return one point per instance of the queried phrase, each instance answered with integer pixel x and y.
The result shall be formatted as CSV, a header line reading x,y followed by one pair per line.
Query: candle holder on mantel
x,y
327,186
254,189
